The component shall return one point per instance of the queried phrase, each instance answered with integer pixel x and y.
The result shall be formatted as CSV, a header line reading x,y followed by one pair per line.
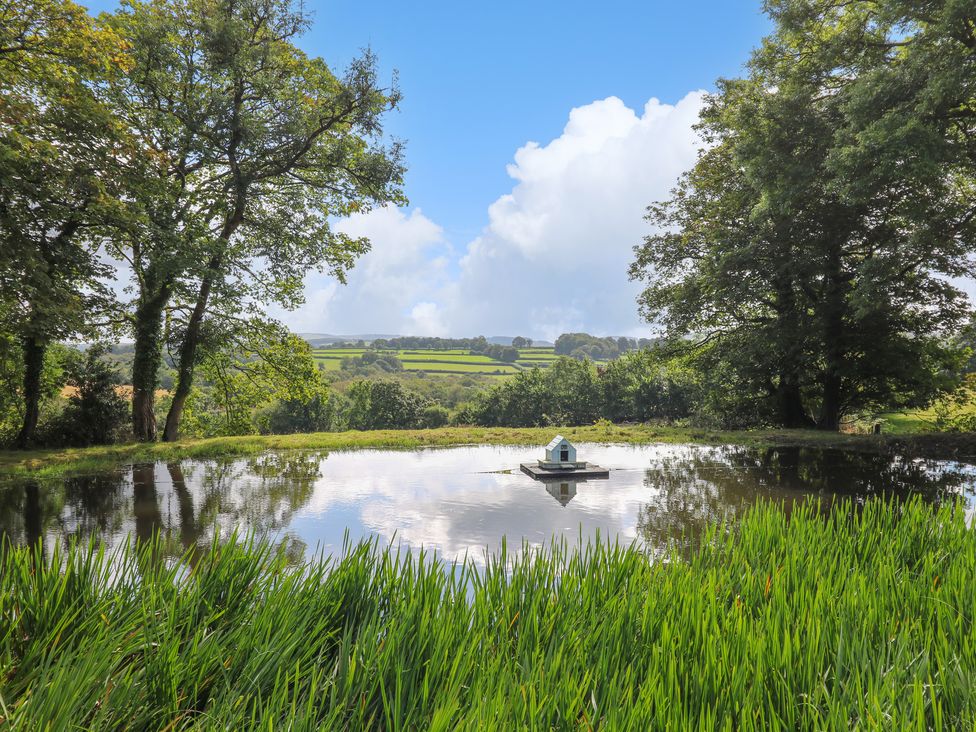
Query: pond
x,y
454,500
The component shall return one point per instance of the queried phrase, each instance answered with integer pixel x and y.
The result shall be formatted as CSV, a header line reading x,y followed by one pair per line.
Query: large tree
x,y
809,250
58,150
257,147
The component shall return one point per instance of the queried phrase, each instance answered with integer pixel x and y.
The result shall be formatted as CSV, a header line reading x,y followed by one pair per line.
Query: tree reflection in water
x,y
97,503
672,491
695,487
21,512
185,503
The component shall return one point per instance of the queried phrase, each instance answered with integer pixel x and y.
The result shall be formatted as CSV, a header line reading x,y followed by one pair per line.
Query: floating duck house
x,y
560,462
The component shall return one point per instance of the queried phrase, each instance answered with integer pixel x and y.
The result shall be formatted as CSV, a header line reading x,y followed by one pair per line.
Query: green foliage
x,y
809,252
96,414
59,181
247,369
377,405
505,354
801,622
11,379
295,416
954,411
566,393
256,148
372,362
583,345
636,387
477,344
640,387
447,390
53,377
434,416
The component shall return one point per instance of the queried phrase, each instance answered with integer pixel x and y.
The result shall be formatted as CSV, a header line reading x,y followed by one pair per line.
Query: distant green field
x,y
923,420
446,361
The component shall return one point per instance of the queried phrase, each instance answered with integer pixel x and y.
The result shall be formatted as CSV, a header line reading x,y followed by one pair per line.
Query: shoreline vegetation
x,y
60,461
853,618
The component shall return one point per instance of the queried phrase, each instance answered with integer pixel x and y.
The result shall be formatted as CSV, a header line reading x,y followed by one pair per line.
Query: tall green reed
x,y
849,620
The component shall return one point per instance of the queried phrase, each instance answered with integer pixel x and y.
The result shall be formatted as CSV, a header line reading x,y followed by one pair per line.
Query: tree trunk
x,y
191,338
833,342
788,339
792,413
188,355
145,365
33,517
830,412
34,350
145,502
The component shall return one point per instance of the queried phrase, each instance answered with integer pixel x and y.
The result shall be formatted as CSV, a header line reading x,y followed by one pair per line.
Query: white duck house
x,y
560,454
560,463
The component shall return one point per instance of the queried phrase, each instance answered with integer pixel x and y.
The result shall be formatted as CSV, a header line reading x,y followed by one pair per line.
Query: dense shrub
x,y
293,416
96,413
379,405
564,393
505,354
635,387
435,416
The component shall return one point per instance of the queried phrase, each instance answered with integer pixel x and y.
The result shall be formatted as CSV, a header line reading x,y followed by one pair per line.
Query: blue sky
x,y
536,133
482,79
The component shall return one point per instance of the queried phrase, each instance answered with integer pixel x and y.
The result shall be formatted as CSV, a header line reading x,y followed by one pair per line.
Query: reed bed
x,y
860,619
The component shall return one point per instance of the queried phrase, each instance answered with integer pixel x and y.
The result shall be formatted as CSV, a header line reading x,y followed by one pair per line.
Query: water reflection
x,y
457,501
562,490
184,502
695,487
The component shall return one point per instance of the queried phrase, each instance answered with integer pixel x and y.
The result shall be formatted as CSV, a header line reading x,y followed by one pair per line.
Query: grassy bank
x,y
46,463
806,623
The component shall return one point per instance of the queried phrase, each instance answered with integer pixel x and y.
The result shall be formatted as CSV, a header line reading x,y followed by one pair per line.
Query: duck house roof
x,y
555,441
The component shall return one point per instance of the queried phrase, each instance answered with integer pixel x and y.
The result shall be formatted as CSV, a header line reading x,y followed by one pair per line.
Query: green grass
x,y
925,420
329,364
858,620
60,461
899,423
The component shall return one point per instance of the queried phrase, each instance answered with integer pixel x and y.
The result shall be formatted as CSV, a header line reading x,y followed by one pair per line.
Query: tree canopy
x,y
58,178
255,147
808,255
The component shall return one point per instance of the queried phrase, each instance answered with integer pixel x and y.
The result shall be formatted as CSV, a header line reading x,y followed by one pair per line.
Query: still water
x,y
454,500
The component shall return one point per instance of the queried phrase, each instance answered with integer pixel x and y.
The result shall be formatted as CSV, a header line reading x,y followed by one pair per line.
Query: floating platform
x,y
539,473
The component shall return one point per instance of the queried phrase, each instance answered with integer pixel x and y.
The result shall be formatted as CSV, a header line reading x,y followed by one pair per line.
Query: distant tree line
x,y
635,388
584,345
577,345
409,343
478,344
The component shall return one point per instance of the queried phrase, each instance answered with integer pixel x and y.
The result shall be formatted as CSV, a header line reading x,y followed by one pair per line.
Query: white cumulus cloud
x,y
554,254
387,286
